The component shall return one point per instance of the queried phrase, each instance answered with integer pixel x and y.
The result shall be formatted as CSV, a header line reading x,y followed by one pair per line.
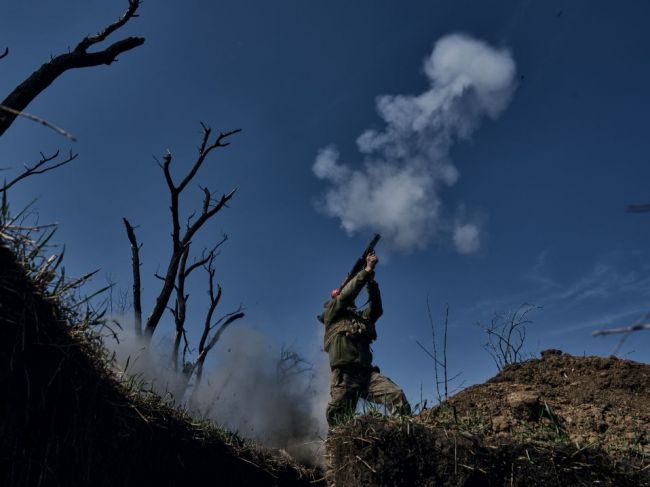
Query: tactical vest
x,y
353,325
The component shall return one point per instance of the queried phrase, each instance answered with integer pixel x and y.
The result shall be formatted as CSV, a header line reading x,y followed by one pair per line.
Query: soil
x,y
558,420
602,401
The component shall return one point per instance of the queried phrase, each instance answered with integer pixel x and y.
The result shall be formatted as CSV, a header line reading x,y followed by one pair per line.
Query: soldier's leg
x,y
344,395
382,390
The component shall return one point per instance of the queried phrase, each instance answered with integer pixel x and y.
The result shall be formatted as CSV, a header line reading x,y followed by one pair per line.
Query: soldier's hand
x,y
371,261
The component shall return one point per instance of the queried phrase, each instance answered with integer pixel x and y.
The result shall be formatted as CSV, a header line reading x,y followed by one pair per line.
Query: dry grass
x,y
66,419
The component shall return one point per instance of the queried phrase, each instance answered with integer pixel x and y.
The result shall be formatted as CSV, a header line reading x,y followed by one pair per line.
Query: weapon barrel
x,y
371,245
361,261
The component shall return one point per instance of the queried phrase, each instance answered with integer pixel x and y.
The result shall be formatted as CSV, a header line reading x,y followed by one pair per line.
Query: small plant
x,y
440,369
506,334
549,420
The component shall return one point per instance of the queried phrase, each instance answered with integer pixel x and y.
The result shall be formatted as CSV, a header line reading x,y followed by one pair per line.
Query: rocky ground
x,y
558,420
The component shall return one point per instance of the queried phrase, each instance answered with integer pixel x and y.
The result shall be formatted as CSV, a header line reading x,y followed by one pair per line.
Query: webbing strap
x,y
334,329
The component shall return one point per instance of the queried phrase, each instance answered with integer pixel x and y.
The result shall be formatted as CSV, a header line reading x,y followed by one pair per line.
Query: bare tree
x,y
506,334
179,269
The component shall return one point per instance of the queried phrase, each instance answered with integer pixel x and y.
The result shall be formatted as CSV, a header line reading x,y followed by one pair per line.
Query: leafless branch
x,y
209,209
439,366
204,150
214,302
225,321
40,120
39,168
5,53
444,353
102,35
436,362
135,266
206,257
626,329
44,76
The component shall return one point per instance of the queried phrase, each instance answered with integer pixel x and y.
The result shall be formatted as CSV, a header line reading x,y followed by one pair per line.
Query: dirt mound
x,y
585,400
560,420
66,420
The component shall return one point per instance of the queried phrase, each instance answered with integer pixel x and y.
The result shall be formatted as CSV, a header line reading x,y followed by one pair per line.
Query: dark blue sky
x,y
548,180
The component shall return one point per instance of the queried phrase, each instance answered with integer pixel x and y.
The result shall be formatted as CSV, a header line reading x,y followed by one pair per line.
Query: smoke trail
x,y
252,387
397,190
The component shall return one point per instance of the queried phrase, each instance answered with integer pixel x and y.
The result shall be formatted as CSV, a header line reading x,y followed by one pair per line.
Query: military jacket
x,y
348,331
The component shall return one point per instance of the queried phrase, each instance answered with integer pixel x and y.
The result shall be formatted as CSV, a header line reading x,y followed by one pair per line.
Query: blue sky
x,y
545,181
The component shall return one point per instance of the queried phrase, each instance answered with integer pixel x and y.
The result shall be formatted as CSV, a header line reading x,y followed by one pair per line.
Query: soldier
x,y
348,334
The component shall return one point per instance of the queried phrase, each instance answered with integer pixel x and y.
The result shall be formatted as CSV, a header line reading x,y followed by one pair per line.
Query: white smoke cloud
x,y
397,190
249,388
466,238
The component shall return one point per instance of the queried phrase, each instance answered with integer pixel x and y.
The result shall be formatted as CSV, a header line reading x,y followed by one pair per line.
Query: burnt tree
x,y
178,269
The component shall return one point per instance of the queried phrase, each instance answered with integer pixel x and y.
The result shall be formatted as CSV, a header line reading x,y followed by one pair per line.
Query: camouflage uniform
x,y
348,334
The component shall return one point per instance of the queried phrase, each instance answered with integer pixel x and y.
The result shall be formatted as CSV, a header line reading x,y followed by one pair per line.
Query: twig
x,y
627,329
40,120
36,169
366,464
256,465
445,351
435,353
140,414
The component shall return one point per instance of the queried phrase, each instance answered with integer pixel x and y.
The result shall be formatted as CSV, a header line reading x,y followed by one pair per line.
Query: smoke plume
x,y
397,190
252,387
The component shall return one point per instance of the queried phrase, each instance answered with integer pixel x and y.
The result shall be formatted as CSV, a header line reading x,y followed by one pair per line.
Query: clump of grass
x,y
473,421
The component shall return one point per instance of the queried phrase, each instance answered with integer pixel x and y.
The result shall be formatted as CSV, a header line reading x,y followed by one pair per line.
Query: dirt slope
x,y
65,420
605,401
560,420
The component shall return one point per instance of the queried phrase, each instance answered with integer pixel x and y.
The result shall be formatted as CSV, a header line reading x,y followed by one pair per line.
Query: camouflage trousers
x,y
350,384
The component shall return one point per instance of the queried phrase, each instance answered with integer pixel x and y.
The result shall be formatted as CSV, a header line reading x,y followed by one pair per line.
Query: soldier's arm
x,y
352,289
374,310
